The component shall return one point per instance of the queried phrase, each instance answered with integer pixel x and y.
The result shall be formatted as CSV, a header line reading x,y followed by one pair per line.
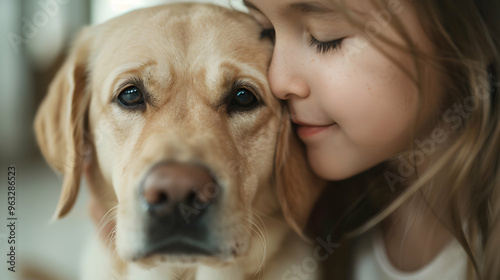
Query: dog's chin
x,y
184,255
183,261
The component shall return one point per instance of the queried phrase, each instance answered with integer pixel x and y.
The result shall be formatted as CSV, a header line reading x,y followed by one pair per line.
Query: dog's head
x,y
168,111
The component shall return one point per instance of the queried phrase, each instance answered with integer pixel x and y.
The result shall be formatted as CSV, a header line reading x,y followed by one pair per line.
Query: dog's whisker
x,y
174,275
109,217
111,238
114,248
260,229
260,235
259,270
192,274
258,219
105,223
110,214
111,211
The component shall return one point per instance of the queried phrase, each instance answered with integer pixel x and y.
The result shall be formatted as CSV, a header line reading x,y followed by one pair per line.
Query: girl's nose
x,y
286,73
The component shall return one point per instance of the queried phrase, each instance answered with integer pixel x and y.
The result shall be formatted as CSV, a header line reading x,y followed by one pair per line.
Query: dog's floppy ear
x,y
297,186
60,120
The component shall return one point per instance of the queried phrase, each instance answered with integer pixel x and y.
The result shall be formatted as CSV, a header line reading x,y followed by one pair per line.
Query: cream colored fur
x,y
187,56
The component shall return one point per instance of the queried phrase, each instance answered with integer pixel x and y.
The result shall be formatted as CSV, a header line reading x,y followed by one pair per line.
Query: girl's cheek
x,y
374,103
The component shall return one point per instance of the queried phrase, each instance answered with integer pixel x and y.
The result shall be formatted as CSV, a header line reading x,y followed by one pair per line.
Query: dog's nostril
x,y
162,198
155,196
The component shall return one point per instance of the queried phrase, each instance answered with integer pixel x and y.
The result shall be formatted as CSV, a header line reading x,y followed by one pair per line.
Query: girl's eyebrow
x,y
312,7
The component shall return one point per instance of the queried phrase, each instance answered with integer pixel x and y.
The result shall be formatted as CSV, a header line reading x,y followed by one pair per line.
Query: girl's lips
x,y
305,131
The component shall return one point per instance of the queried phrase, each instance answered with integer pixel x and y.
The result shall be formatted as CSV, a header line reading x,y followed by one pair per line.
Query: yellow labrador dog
x,y
168,114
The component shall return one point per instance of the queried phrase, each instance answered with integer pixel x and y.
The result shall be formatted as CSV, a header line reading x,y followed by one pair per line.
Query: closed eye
x,y
324,47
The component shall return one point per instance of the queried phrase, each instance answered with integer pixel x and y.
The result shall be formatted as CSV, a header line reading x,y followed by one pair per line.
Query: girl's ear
x,y
298,187
60,122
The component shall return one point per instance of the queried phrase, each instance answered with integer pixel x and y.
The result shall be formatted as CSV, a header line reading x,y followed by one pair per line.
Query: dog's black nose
x,y
177,200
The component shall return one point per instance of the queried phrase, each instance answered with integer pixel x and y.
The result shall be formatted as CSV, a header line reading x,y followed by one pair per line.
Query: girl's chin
x,y
328,169
332,168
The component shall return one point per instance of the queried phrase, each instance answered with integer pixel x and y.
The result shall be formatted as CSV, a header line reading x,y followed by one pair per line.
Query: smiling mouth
x,y
307,130
301,123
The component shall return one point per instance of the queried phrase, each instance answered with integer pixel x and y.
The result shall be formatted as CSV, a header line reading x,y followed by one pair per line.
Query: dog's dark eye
x,y
243,100
131,96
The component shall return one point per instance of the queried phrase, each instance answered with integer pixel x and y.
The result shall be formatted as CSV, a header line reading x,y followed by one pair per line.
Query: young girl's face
x,y
351,105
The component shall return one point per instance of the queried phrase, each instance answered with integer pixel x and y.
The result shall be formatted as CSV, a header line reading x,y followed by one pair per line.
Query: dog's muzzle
x,y
177,205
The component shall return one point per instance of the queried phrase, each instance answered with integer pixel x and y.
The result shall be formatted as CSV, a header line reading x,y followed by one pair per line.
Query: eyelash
x,y
324,47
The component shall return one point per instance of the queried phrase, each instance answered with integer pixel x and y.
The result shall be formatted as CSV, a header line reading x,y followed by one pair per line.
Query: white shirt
x,y
371,262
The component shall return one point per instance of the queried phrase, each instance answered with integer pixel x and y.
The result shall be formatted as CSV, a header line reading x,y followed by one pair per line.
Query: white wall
x,y
103,10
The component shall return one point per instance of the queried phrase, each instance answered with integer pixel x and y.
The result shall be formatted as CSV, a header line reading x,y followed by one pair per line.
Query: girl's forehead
x,y
302,5
322,6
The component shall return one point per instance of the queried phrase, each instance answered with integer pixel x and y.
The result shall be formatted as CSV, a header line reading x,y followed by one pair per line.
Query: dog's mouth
x,y
178,246
178,233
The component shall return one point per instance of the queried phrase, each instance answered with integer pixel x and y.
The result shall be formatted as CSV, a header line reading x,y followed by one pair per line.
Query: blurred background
x,y
35,35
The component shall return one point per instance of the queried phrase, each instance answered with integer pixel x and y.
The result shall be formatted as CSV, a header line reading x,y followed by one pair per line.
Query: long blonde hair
x,y
461,182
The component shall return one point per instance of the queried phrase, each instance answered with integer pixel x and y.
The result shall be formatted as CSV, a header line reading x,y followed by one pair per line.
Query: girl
x,y
398,98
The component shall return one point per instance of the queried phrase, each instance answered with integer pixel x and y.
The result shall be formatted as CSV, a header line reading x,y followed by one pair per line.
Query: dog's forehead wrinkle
x,y
189,98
